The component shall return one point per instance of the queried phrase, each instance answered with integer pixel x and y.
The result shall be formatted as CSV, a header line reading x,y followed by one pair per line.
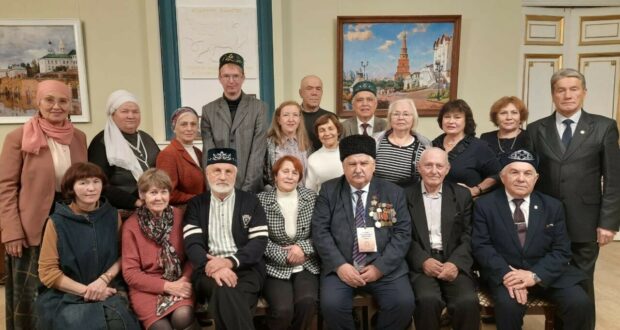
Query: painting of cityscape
x,y
412,57
36,50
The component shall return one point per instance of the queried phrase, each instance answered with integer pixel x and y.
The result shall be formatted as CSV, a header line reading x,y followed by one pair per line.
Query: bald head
x,y
433,167
311,92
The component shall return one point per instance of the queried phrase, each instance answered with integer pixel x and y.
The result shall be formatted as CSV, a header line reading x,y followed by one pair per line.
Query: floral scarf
x,y
158,229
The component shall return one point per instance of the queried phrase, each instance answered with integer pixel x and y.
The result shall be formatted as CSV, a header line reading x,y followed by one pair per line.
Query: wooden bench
x,y
535,306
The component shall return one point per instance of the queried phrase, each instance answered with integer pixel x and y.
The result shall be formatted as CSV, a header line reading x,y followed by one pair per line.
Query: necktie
x,y
359,258
519,220
568,132
365,128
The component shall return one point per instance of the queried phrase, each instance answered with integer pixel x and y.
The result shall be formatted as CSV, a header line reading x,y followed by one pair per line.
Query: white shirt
x,y
221,241
560,125
525,207
370,122
432,208
364,198
192,153
323,165
61,157
288,202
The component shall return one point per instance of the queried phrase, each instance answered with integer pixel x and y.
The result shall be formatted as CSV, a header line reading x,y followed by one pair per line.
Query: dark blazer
x,y
349,126
249,229
574,175
276,257
246,134
188,179
495,243
456,207
333,227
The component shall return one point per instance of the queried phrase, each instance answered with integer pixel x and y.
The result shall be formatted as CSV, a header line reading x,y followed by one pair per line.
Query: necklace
x,y
499,143
140,149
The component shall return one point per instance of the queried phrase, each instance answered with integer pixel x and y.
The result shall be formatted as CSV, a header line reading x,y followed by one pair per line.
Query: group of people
x,y
306,212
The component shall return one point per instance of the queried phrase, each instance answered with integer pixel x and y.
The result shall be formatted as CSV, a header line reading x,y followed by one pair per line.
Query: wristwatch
x,y
536,278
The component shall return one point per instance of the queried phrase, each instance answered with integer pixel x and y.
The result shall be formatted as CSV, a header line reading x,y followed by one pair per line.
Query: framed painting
x,y
36,50
414,57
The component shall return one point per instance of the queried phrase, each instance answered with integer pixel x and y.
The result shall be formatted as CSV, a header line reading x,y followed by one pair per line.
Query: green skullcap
x,y
365,86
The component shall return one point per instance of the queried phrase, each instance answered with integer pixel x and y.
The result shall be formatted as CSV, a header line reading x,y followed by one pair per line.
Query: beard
x,y
222,188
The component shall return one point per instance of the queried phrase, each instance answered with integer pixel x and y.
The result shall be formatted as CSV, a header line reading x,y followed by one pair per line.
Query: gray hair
x,y
409,103
567,73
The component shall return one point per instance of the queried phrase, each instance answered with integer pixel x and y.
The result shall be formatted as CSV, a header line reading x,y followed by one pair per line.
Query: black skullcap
x,y
357,144
221,155
364,86
520,155
232,58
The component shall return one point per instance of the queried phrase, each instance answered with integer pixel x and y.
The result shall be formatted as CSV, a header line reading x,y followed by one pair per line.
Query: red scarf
x,y
37,129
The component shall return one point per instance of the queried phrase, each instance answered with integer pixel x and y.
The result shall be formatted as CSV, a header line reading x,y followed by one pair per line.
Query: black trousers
x,y
433,294
584,258
233,308
573,307
292,302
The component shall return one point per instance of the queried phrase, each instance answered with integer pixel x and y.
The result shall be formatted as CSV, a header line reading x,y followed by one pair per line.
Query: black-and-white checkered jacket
x,y
275,256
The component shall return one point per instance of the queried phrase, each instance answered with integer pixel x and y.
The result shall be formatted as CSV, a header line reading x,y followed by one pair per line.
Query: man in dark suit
x,y
311,92
361,231
364,102
225,236
238,121
521,243
440,257
576,150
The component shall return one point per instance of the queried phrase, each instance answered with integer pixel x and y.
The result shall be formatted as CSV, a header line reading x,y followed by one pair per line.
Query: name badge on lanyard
x,y
366,240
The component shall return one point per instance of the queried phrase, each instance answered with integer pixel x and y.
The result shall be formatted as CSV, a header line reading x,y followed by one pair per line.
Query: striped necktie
x,y
359,258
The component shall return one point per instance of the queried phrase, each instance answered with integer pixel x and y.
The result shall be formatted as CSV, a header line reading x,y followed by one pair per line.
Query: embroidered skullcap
x,y
365,86
232,58
357,144
520,155
47,86
179,112
221,155
117,98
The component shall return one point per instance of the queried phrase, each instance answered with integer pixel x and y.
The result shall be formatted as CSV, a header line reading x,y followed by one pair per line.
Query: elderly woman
x,y
34,158
153,259
399,148
286,137
508,114
324,164
181,160
80,258
123,151
472,162
292,284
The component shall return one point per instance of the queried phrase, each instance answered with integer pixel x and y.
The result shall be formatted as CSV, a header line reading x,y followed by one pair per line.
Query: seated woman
x,y
80,258
181,160
122,151
292,283
399,147
154,264
286,137
508,114
324,164
472,162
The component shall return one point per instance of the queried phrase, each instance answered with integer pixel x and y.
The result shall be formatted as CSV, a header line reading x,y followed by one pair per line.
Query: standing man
x,y
311,92
364,102
225,236
577,150
361,231
237,120
522,246
439,257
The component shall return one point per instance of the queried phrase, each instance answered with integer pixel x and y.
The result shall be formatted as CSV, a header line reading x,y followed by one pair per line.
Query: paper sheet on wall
x,y
205,33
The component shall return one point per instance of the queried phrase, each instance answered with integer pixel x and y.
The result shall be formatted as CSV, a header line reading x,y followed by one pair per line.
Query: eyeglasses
x,y
402,114
233,77
62,102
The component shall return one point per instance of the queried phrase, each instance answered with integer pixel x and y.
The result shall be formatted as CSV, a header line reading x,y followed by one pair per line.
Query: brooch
x,y
246,220
383,213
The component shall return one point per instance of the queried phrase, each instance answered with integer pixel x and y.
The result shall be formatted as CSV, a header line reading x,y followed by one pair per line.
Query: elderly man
x,y
440,257
225,235
522,246
361,230
311,92
237,120
364,101
576,149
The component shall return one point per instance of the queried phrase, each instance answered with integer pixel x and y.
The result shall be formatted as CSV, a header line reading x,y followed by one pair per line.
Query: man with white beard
x,y
225,236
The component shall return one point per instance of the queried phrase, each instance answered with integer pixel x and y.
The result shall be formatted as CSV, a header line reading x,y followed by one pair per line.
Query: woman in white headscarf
x,y
122,151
